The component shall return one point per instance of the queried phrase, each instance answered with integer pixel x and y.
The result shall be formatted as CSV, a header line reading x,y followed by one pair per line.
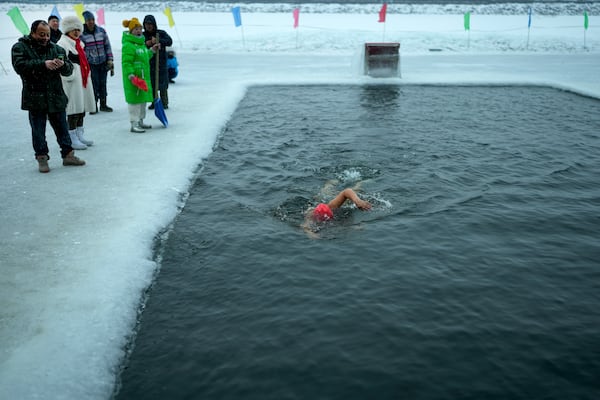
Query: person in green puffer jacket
x,y
135,63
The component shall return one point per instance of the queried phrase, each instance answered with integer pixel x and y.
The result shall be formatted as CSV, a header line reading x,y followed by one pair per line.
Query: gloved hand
x,y
74,58
138,82
110,66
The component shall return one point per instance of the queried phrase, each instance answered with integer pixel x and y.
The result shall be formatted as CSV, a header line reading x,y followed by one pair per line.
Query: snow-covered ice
x,y
76,245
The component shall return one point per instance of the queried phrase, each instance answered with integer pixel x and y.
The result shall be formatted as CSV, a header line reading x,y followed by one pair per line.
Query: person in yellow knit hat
x,y
135,64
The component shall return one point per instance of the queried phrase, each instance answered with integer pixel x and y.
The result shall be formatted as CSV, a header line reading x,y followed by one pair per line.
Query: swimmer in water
x,y
324,211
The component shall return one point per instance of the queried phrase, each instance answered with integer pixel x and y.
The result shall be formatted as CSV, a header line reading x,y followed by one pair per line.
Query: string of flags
x,y
21,25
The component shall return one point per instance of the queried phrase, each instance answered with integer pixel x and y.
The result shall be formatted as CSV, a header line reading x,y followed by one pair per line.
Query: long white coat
x,y
81,99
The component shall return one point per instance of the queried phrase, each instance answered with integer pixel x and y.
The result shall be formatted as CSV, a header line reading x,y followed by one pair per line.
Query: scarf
x,y
83,62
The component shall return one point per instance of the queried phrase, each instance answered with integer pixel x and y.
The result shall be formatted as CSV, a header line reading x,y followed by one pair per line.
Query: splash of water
x,y
350,175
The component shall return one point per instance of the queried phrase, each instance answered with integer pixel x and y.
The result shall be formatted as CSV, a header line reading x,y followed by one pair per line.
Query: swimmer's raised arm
x,y
323,212
349,194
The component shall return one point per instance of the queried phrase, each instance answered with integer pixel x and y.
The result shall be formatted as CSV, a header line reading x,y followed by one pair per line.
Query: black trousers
x,y
99,74
58,122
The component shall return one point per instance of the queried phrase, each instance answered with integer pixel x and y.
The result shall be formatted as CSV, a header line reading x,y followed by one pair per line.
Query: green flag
x,y
586,22
18,20
467,21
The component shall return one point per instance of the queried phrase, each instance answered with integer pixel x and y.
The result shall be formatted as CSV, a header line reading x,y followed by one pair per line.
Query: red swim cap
x,y
322,212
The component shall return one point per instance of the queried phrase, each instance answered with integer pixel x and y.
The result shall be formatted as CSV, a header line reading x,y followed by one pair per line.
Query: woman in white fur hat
x,y
78,86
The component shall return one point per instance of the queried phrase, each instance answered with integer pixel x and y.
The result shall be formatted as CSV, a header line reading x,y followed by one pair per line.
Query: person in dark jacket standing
x,y
40,65
164,40
100,57
55,32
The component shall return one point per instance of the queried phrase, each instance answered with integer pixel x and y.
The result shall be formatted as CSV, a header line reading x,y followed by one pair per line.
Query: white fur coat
x,y
81,99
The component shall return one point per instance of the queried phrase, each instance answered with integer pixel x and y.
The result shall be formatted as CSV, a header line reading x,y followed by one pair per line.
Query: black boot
x,y
104,107
95,112
164,98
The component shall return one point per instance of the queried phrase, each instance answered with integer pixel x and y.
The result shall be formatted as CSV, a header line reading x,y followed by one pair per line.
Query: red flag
x,y
382,12
296,16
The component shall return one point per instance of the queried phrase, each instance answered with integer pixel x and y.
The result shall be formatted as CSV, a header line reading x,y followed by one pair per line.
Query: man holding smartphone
x,y
40,65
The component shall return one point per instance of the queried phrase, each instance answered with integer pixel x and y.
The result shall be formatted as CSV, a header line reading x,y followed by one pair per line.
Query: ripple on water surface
x,y
475,276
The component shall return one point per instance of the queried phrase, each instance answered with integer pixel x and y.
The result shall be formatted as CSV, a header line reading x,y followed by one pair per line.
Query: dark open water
x,y
476,276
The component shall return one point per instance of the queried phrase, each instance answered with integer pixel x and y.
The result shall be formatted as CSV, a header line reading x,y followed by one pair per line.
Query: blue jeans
x,y
58,121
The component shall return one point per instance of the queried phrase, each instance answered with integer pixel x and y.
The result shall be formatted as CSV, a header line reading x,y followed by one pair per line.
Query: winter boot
x,y
75,143
81,138
95,112
136,128
43,163
104,107
164,98
70,159
143,126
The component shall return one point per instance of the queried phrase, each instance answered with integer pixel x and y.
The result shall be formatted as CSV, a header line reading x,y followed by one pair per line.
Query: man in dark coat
x,y
55,32
40,64
150,33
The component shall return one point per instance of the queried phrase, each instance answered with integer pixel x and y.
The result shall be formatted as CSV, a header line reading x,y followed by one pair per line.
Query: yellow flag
x,y
167,12
79,10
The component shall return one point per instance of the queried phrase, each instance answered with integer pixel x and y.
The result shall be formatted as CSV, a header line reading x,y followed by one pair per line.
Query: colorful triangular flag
x,y
56,13
382,12
237,16
100,16
467,21
167,12
296,14
18,20
79,11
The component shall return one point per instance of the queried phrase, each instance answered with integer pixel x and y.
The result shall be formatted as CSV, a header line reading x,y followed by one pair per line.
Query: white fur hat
x,y
71,23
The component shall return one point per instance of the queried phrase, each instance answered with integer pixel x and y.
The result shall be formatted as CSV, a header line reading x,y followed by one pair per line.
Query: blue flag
x,y
529,21
56,13
237,16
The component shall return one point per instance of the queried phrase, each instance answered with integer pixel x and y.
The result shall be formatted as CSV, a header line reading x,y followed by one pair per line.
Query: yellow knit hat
x,y
131,23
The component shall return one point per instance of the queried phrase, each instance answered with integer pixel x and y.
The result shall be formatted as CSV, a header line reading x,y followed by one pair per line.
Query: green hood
x,y
129,38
